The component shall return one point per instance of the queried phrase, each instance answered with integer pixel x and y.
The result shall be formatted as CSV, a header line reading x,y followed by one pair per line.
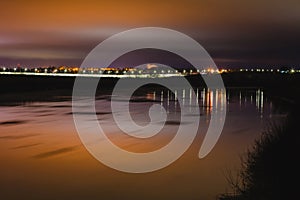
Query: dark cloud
x,y
235,33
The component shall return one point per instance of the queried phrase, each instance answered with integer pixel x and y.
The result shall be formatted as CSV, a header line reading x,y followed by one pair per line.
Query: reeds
x,y
270,169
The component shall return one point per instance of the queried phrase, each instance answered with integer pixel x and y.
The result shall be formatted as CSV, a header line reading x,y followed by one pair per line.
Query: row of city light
x,y
271,70
120,71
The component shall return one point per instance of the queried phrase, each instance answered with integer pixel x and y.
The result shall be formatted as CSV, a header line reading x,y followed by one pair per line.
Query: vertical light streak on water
x,y
183,97
257,99
161,100
175,99
261,103
197,96
203,97
190,100
168,101
217,97
240,98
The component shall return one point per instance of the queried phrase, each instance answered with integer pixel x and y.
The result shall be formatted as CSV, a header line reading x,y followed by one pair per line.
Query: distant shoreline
x,y
26,88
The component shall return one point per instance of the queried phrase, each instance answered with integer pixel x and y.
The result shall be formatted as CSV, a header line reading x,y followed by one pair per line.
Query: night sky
x,y
235,33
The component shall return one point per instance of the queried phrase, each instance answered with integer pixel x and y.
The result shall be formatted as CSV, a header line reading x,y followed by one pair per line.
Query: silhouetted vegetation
x,y
270,169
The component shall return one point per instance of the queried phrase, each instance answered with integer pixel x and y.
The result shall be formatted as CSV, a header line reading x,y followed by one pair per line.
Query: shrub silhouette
x,y
270,169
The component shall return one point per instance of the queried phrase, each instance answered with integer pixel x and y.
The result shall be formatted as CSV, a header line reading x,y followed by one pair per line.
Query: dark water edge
x,y
19,88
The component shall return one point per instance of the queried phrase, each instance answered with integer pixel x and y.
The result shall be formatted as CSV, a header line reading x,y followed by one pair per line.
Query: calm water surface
x,y
42,156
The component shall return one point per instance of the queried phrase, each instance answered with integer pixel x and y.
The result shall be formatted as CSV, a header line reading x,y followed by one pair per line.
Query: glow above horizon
x,y
63,32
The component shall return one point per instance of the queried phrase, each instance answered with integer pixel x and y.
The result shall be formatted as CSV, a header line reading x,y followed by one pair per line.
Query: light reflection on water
x,y
40,150
209,98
